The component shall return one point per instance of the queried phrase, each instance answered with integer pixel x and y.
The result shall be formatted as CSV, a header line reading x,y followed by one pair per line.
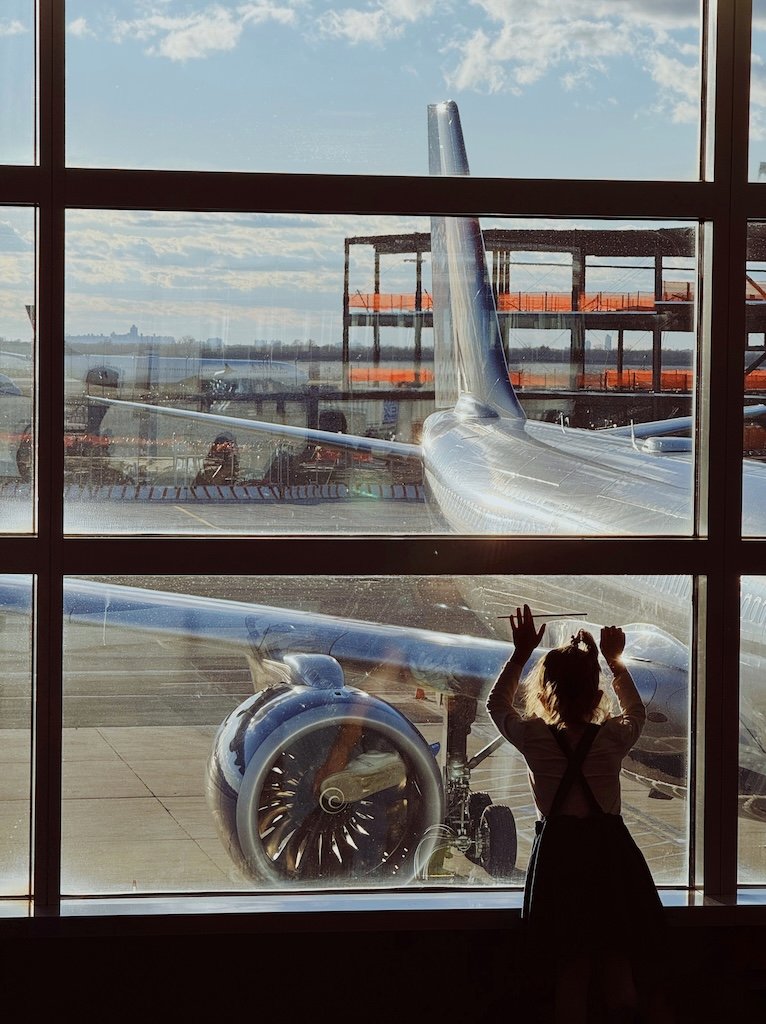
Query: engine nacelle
x,y
312,782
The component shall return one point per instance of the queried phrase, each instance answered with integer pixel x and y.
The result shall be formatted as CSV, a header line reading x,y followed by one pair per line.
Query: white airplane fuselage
x,y
510,476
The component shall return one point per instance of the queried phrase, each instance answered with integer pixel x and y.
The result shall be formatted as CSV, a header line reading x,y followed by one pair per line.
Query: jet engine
x,y
314,782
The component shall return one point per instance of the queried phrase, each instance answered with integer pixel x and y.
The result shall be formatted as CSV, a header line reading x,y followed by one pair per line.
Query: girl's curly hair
x,y
564,687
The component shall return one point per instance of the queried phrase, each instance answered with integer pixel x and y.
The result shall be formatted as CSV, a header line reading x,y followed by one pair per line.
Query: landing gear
x,y
485,833
476,805
496,842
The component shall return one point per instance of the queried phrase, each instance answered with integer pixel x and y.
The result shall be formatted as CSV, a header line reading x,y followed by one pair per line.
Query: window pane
x,y
17,82
752,734
197,711
340,376
15,734
754,440
547,89
758,93
17,369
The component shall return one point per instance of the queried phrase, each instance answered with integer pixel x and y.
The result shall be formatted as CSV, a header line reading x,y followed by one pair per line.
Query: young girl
x,y
590,905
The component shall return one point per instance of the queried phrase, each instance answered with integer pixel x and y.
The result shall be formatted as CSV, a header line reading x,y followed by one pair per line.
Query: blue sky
x,y
561,88
602,88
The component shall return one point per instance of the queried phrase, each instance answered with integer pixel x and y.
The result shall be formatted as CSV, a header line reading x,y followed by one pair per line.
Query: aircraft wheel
x,y
497,841
476,805
291,831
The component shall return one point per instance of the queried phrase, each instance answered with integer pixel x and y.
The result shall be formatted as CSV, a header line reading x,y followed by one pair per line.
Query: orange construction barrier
x,y
607,380
382,374
561,302
377,302
552,302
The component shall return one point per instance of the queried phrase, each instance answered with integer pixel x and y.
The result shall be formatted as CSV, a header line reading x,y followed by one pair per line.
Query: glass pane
x,y
752,735
348,375
213,742
754,439
15,734
758,93
17,369
17,82
546,89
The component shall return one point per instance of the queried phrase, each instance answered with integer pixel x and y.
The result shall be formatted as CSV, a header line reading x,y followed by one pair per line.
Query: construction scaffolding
x,y
669,306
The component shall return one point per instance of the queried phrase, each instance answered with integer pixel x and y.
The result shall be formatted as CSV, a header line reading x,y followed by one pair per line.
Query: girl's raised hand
x,y
525,636
612,643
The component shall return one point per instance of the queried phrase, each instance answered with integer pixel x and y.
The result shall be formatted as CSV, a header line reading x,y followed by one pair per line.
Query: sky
x,y
602,88
583,88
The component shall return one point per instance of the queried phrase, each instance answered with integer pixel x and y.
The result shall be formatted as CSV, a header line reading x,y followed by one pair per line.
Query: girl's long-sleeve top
x,y
545,761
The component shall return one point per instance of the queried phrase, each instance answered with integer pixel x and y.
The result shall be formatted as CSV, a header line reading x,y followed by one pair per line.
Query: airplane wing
x,y
363,445
444,662
674,425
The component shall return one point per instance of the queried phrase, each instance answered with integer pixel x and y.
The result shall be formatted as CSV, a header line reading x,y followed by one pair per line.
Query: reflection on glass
x,y
254,733
611,91
17,370
754,439
15,733
342,375
17,82
752,733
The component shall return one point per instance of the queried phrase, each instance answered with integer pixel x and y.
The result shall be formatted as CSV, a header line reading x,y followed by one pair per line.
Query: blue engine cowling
x,y
275,821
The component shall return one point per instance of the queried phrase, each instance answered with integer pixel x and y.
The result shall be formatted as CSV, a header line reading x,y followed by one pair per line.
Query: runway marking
x,y
195,516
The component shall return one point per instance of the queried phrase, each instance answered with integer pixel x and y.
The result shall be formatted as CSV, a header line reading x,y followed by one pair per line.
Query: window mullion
x,y
720,459
50,447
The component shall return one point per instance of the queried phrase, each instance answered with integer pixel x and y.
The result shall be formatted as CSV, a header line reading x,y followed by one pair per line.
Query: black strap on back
x,y
574,768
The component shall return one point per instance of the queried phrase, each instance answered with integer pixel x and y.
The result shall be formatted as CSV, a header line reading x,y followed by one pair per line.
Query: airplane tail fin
x,y
469,359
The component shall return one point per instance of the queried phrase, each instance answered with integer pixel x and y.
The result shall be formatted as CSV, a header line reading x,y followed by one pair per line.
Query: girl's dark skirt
x,y
589,890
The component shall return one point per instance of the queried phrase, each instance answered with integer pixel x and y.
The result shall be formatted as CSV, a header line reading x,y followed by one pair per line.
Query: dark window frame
x,y
722,200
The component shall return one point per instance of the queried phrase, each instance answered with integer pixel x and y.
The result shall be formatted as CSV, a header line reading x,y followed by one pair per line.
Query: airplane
x,y
312,781
210,382
215,378
486,466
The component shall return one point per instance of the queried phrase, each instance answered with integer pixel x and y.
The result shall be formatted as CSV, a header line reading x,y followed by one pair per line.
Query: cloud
x,y
520,42
478,68
12,28
757,99
377,22
11,240
80,28
196,35
183,267
679,87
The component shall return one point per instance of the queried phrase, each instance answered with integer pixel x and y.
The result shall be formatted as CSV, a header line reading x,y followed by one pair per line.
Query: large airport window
x,y
263,733
605,91
249,373
293,407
